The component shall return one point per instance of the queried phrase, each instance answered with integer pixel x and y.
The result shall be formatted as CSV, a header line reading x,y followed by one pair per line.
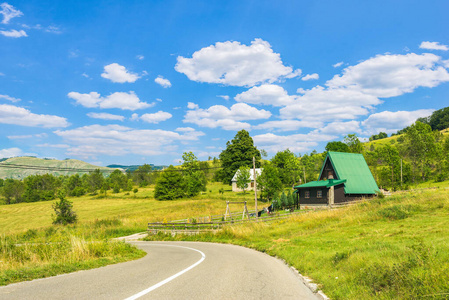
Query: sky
x,y
134,82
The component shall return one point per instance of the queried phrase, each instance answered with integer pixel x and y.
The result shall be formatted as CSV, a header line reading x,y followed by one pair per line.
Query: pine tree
x,y
64,211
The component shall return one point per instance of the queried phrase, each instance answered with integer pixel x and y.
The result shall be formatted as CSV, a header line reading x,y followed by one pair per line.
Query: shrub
x,y
64,211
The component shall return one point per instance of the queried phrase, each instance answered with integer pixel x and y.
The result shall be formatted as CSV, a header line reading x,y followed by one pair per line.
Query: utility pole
x,y
304,169
255,186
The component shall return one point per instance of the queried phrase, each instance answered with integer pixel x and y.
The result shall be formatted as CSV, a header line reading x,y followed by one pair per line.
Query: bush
x,y
64,211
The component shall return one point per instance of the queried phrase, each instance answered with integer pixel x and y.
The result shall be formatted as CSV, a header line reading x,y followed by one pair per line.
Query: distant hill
x,y
21,167
135,167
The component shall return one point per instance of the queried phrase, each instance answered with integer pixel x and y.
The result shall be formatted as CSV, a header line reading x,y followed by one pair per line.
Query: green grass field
x,y
392,248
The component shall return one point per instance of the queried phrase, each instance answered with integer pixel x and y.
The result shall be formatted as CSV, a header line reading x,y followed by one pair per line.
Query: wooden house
x,y
344,177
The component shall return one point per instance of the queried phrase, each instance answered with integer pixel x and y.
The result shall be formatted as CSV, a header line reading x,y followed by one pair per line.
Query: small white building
x,y
250,185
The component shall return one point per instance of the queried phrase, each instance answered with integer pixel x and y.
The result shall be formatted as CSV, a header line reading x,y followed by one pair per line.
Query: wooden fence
x,y
183,227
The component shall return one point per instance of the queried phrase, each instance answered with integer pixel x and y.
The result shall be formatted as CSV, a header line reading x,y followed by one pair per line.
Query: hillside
x,y
21,167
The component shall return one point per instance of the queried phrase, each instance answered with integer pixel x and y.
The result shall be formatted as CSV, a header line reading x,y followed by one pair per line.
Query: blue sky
x,y
135,82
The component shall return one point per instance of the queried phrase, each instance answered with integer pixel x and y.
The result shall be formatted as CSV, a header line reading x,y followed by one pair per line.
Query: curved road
x,y
174,270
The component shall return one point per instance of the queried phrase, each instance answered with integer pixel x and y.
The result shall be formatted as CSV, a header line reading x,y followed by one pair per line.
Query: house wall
x,y
249,188
313,196
327,170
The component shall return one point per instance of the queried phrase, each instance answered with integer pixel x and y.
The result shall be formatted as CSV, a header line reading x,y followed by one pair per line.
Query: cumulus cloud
x,y
105,116
165,83
232,63
88,142
433,46
273,143
124,101
389,122
266,94
9,98
288,125
392,75
313,76
226,118
341,128
13,33
10,152
359,88
321,104
8,11
118,73
156,118
10,114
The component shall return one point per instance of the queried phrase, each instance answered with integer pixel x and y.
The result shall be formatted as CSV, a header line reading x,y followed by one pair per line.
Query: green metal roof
x,y
322,183
353,168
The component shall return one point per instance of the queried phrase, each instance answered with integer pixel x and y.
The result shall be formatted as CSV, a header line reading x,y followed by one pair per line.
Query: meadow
x,y
387,248
390,248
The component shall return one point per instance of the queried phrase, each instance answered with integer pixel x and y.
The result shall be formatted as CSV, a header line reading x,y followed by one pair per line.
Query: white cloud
x,y
320,104
225,97
339,64
165,83
13,33
8,11
185,129
191,105
9,98
105,116
221,116
389,122
392,75
57,146
10,114
10,152
296,142
128,101
266,94
118,73
88,142
358,89
232,63
288,125
85,75
27,136
134,117
156,117
433,46
341,128
140,57
313,76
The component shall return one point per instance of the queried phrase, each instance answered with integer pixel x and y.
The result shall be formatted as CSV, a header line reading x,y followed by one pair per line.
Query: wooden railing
x,y
177,227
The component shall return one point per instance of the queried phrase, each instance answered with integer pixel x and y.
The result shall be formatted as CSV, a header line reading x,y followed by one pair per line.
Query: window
x,y
307,194
319,194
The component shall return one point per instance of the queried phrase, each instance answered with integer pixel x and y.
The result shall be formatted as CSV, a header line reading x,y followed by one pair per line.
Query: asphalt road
x,y
174,270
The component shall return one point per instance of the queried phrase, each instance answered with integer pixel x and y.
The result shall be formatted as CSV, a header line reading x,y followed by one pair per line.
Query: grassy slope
x,y
131,211
38,162
395,248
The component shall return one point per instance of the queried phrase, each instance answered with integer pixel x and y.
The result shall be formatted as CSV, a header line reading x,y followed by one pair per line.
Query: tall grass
x,y
53,252
392,248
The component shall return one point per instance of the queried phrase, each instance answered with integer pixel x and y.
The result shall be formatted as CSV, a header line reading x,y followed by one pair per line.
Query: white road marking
x,y
152,288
